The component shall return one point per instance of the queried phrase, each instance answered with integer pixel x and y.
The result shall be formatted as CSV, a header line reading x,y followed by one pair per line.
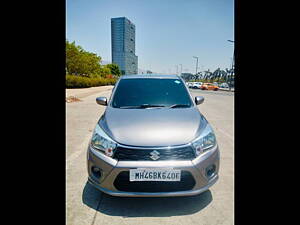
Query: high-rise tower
x,y
123,45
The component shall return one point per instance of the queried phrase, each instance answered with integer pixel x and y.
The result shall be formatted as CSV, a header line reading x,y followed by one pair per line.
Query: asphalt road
x,y
85,205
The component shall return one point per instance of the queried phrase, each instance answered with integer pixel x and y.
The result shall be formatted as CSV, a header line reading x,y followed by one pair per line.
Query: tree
x,y
81,62
228,72
207,75
104,71
216,74
114,69
72,58
219,74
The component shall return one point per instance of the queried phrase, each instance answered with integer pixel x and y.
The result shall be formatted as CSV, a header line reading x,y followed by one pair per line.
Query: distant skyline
x,y
168,32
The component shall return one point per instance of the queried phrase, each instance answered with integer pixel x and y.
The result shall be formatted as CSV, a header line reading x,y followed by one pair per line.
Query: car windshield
x,y
151,92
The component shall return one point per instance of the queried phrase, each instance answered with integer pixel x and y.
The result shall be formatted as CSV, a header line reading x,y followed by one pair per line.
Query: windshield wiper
x,y
179,105
143,106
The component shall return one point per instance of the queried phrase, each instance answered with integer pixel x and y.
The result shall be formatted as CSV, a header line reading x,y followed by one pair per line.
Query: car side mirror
x,y
199,100
101,100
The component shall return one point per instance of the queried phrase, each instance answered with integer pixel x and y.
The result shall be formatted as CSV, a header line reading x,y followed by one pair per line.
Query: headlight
x,y
205,141
102,142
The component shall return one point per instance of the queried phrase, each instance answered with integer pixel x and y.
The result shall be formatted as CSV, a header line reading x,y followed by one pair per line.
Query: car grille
x,y
122,183
184,153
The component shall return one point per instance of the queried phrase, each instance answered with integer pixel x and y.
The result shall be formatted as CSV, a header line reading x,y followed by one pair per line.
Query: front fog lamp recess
x,y
210,171
96,172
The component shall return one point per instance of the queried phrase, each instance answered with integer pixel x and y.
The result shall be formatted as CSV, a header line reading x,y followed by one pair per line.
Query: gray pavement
x,y
85,205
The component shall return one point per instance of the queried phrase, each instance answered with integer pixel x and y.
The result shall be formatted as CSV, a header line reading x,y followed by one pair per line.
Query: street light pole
x,y
196,64
232,68
180,69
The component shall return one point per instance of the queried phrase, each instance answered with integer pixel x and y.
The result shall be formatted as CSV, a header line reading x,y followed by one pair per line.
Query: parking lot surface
x,y
85,205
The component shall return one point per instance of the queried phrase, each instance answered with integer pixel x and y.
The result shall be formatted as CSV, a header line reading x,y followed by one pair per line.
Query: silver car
x,y
152,140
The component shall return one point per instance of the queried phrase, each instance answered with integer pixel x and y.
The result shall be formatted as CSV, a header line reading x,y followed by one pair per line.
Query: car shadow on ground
x,y
144,207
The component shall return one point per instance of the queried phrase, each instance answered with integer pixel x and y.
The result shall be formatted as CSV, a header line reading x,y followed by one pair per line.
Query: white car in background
x,y
196,85
224,85
190,84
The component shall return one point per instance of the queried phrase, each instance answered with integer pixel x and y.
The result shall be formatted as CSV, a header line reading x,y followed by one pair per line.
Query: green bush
x,y
73,81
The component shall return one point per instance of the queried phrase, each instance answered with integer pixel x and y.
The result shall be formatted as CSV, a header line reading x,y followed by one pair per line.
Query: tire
x,y
216,89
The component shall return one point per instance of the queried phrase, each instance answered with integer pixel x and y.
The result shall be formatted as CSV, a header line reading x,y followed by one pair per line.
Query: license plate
x,y
149,174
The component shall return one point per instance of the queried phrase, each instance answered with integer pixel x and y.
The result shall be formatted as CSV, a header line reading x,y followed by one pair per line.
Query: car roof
x,y
159,76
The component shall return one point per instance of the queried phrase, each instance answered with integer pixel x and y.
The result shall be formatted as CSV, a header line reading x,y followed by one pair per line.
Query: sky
x,y
168,32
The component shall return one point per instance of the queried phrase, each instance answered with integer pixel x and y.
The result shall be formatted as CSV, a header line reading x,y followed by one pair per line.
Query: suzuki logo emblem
x,y
154,155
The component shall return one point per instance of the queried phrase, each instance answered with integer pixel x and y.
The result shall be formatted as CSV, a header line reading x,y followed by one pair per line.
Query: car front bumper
x,y
110,169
